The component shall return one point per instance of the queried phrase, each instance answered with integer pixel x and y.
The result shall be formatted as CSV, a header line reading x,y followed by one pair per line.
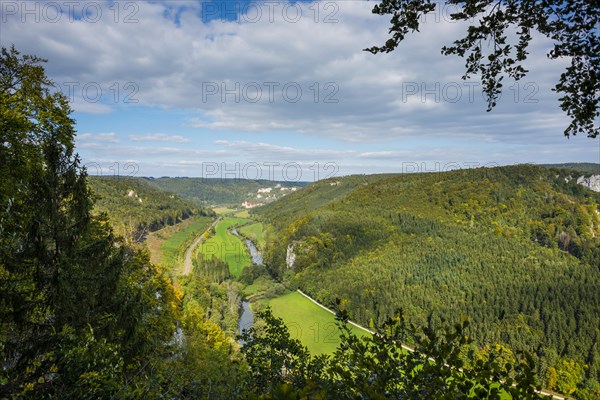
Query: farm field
x,y
155,240
174,245
254,232
223,210
242,214
227,247
315,327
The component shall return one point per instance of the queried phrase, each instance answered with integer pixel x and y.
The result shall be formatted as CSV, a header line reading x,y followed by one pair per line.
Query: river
x,y
246,316
254,253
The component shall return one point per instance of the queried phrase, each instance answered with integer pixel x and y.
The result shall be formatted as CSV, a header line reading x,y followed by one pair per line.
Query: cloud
x,y
270,151
278,67
297,71
159,137
150,153
109,137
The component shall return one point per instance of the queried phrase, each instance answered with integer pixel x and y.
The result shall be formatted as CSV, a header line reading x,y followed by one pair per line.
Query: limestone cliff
x,y
591,182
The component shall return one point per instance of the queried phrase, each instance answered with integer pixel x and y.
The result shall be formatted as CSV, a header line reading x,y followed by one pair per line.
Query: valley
x,y
515,251
311,324
436,254
422,257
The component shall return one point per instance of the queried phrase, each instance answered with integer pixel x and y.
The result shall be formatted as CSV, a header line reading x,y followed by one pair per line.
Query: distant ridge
x,y
213,191
584,168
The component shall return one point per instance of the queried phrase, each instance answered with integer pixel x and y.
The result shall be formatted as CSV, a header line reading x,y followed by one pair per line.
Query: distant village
x,y
267,195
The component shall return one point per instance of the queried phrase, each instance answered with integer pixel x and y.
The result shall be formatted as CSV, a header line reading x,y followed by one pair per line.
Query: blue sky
x,y
190,88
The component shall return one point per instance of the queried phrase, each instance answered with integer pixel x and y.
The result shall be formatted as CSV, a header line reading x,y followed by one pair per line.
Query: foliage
x,y
586,169
82,314
220,302
213,269
516,249
377,367
571,25
274,358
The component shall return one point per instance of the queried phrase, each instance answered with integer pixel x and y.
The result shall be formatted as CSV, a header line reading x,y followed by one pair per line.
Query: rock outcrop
x,y
591,182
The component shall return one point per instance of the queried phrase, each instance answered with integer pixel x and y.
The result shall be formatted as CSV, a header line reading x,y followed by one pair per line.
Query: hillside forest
x,y
515,250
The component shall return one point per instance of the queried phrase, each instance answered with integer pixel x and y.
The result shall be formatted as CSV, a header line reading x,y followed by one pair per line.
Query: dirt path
x,y
187,267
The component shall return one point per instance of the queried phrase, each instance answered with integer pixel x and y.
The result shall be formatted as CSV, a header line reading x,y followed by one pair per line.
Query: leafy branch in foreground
x,y
442,365
571,25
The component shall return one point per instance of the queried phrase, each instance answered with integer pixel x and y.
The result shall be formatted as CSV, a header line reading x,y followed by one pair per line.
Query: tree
x,y
273,356
80,312
572,26
44,219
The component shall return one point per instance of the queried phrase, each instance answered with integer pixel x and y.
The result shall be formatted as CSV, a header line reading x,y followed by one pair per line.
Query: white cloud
x,y
242,77
221,67
159,137
109,137
83,106
275,152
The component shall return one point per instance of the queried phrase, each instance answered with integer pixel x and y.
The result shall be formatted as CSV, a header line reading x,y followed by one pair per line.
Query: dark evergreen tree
x,y
70,292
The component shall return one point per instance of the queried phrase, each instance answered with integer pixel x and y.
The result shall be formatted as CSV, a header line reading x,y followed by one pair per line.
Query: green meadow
x,y
174,247
223,210
254,232
314,326
228,247
242,214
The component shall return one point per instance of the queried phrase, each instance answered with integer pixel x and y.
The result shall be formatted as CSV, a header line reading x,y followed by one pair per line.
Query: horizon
x,y
225,177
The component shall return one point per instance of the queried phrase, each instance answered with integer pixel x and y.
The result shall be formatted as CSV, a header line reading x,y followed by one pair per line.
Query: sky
x,y
281,90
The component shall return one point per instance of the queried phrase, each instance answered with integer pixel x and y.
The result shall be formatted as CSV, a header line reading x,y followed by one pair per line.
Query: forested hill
x,y
135,206
514,249
583,168
212,191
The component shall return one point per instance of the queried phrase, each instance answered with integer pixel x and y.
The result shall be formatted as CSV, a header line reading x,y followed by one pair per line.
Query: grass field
x,y
228,247
255,233
311,324
223,210
155,240
174,247
242,214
